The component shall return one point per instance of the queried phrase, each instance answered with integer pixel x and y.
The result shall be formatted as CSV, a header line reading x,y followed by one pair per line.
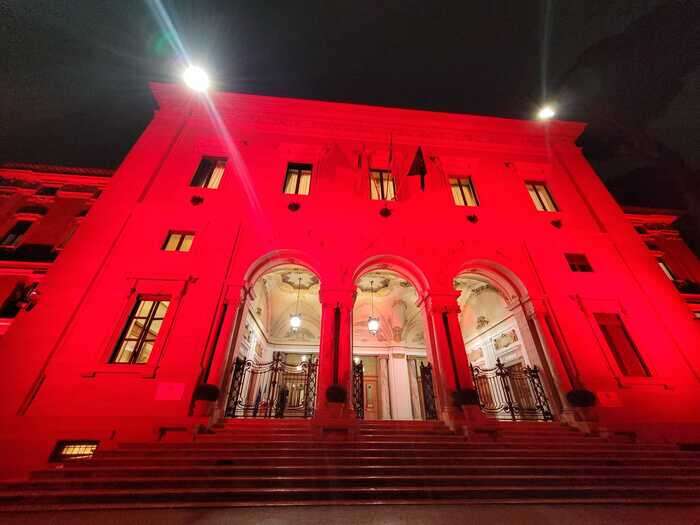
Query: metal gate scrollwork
x,y
426,381
272,389
514,393
358,390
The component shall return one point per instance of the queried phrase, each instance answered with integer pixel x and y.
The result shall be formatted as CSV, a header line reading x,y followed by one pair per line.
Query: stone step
x,y
205,471
380,458
338,480
532,492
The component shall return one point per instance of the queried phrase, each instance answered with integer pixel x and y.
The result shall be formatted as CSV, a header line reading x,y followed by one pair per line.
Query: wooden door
x,y
371,397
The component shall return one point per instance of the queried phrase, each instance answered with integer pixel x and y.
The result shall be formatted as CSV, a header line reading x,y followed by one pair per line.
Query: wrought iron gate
x,y
272,389
426,383
358,390
514,393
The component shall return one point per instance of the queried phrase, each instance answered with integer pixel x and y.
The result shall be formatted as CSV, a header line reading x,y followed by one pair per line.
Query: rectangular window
x,y
298,179
69,450
578,262
381,184
136,341
664,268
14,236
178,242
209,173
47,191
463,192
621,345
540,196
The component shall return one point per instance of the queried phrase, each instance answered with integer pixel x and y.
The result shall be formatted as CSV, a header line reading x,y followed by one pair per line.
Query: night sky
x,y
74,74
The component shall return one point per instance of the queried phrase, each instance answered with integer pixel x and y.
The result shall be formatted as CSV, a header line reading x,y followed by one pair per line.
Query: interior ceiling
x,y
382,294
282,292
392,299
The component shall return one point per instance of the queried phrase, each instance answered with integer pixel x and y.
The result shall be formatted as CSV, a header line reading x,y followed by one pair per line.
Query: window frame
x,y
183,235
17,241
583,266
461,185
300,168
614,352
141,340
531,187
382,172
205,184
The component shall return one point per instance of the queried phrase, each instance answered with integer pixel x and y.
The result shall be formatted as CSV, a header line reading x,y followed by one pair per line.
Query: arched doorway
x,y
275,371
502,351
392,376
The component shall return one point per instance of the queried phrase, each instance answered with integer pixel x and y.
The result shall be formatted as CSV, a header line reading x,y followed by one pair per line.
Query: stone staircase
x,y
247,462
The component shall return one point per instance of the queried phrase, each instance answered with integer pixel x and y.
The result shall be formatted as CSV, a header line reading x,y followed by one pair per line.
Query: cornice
x,y
360,123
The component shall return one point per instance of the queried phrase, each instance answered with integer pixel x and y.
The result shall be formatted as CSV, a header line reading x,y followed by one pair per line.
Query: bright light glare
x,y
196,78
546,113
373,325
295,322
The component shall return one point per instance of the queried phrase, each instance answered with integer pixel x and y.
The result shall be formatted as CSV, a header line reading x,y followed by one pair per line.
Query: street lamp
x,y
546,112
372,322
196,78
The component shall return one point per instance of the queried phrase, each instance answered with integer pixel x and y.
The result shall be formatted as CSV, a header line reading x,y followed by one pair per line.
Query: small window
x,y
641,230
209,173
47,191
463,192
381,184
652,246
621,345
540,196
664,268
298,179
578,262
70,450
14,236
11,307
178,242
136,342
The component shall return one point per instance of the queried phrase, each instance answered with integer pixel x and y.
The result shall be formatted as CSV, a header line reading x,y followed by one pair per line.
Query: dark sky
x,y
73,86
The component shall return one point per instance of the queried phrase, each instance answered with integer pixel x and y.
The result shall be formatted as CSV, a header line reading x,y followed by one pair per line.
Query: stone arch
x,y
505,280
397,264
275,258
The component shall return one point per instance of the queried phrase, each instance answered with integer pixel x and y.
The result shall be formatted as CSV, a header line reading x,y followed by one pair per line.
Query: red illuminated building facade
x,y
277,258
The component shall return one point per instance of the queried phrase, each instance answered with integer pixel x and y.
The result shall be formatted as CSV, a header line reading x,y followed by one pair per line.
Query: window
x,y
298,179
381,184
540,196
625,353
640,230
11,306
209,173
463,192
47,191
664,268
652,246
69,450
178,242
578,262
136,342
14,236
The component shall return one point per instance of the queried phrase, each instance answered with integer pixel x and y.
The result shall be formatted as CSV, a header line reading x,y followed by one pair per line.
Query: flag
x,y
418,168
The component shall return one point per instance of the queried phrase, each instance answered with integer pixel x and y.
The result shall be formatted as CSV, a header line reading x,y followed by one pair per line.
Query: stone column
x,y
415,395
460,405
399,386
383,377
335,349
218,370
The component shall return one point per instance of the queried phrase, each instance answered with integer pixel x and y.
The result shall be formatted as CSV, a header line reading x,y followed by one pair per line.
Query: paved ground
x,y
380,514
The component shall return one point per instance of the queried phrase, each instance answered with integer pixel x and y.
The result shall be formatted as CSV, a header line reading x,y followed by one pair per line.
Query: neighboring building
x,y
279,247
41,207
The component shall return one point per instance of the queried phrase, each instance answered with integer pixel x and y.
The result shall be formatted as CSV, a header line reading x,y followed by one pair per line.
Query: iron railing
x,y
272,389
513,393
426,383
358,390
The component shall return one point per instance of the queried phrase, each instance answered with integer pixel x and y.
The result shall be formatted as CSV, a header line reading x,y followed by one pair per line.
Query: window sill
x,y
147,371
624,382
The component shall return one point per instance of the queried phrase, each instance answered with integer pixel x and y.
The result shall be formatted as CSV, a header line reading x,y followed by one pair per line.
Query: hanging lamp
x,y
372,322
295,318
